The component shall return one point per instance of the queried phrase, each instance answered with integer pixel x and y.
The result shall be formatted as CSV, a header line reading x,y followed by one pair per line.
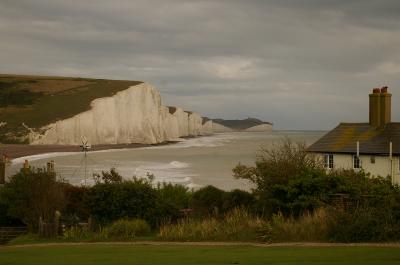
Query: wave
x,y
203,141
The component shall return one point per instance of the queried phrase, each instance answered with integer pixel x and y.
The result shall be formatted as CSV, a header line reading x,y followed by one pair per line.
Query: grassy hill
x,y
240,124
39,100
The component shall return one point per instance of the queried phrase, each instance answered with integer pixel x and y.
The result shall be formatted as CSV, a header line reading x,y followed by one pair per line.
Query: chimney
x,y
374,107
379,107
386,106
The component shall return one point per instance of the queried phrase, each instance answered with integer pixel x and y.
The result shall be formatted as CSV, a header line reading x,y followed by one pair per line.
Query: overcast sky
x,y
300,64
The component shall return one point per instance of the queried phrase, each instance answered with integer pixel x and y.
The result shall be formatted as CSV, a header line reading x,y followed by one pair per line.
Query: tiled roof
x,y
343,139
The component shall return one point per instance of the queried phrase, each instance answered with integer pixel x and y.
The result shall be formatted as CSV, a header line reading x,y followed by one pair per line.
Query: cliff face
x,y
134,115
218,128
207,127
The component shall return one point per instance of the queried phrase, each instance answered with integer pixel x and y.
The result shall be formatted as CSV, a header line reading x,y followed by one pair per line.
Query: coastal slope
x,y
63,111
134,115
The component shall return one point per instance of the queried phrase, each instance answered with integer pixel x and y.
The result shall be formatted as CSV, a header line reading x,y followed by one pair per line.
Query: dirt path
x,y
156,243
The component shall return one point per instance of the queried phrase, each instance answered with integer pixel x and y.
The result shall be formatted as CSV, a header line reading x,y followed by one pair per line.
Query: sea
x,y
194,162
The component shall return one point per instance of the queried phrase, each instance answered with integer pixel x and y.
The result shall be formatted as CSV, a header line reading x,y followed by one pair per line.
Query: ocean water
x,y
193,163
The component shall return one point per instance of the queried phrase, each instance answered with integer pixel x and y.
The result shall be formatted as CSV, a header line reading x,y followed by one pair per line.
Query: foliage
x,y
237,198
107,177
311,227
108,202
128,229
208,201
237,225
171,200
286,178
366,224
75,210
31,194
77,233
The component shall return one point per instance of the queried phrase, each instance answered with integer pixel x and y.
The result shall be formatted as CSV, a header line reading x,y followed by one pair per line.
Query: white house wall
x,y
380,168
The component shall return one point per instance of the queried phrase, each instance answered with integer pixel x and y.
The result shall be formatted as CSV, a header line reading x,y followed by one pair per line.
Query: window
x,y
372,159
328,161
356,162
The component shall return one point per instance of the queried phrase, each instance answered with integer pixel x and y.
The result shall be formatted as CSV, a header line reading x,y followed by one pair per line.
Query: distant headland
x,y
245,125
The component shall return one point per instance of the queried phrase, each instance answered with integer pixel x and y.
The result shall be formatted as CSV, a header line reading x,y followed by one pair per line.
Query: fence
x,y
9,233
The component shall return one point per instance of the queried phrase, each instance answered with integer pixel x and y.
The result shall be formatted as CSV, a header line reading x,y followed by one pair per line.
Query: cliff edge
x,y
64,110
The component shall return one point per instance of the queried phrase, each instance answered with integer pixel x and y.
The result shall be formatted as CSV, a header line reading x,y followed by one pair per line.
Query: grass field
x,y
173,255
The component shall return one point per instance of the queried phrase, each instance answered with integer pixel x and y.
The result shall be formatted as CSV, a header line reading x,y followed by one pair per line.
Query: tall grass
x,y
123,229
128,229
237,225
312,227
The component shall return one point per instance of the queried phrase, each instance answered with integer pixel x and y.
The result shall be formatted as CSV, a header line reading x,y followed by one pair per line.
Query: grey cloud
x,y
302,64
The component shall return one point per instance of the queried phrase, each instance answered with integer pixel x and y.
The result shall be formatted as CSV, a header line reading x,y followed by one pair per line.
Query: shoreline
x,y
14,151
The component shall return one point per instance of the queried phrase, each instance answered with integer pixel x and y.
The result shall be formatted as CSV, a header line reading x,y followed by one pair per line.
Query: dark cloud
x,y
302,64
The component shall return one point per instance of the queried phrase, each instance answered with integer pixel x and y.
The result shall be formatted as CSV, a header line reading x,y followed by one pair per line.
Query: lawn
x,y
152,255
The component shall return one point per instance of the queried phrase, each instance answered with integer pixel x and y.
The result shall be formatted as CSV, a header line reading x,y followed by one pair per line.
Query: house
x,y
373,146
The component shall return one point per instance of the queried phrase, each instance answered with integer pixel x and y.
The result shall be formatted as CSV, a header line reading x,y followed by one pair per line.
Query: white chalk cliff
x,y
134,115
218,128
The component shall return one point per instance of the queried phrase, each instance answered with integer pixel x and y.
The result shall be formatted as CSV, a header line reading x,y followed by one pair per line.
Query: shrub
x,y
128,229
108,202
31,194
365,224
208,201
171,199
237,199
75,210
275,176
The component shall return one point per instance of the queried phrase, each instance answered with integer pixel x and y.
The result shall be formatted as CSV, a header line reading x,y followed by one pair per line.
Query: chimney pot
x,y
376,90
384,89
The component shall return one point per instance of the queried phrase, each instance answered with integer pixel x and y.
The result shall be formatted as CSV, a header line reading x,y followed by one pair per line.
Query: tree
x,y
275,169
32,194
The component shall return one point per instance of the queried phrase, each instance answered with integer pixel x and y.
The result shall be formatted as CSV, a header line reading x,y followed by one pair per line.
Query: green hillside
x,y
39,100
240,124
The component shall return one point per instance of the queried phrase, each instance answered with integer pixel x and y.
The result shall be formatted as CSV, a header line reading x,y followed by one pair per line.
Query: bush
x,y
171,199
128,229
237,199
365,224
208,201
108,202
31,194
287,179
75,210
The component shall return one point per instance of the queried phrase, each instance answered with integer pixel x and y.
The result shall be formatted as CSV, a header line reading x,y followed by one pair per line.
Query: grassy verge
x,y
126,254
35,239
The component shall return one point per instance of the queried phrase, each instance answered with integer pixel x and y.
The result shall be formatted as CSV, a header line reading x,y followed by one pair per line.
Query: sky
x,y
301,64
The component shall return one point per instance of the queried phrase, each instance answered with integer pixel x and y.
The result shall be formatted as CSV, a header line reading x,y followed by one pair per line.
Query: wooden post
x,y
2,172
26,166
57,216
